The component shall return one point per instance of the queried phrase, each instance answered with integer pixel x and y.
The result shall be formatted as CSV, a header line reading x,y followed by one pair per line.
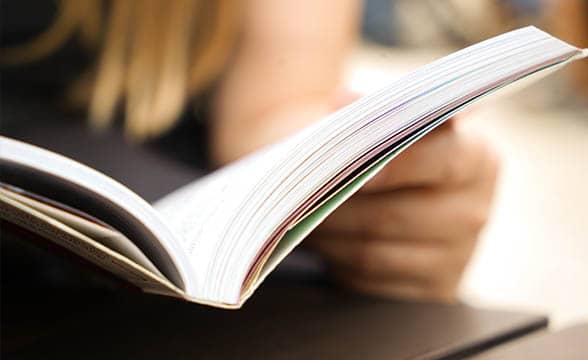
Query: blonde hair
x,y
152,55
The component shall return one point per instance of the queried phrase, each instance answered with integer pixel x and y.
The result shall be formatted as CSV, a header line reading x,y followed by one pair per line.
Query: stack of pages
x,y
215,240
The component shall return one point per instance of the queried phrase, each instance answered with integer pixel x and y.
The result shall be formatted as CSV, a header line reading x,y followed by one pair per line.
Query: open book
x,y
215,240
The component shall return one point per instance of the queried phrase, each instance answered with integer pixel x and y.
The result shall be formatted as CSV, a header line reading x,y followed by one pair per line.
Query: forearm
x,y
233,139
285,73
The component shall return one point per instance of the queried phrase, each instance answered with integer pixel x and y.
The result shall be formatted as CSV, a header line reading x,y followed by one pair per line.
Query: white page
x,y
199,212
228,217
106,236
37,222
166,253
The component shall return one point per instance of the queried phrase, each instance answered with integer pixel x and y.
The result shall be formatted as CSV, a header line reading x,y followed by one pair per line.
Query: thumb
x,y
342,97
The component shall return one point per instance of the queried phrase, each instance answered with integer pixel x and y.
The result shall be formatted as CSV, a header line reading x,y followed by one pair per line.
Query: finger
x,y
343,97
449,155
420,214
443,292
390,260
462,115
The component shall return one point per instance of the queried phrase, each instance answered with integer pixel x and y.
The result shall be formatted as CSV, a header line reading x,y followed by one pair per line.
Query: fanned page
x,y
83,190
236,224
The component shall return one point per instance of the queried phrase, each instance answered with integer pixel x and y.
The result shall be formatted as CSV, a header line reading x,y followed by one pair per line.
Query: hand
x,y
412,229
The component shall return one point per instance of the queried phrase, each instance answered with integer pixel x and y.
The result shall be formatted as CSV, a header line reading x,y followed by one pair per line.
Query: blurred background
x,y
533,254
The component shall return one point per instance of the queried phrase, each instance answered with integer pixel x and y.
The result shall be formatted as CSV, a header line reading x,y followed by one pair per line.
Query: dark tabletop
x,y
282,321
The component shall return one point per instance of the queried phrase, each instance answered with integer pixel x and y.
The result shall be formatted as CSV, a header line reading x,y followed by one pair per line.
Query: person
x,y
267,68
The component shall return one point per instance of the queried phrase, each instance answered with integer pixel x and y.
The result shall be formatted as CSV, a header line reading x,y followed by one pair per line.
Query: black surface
x,y
280,322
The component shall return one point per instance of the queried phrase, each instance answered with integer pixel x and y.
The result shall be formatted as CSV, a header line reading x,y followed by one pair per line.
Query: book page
x,y
294,236
101,233
201,212
80,244
66,181
233,219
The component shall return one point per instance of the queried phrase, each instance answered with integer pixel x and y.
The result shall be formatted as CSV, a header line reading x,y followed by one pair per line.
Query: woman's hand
x,y
412,229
